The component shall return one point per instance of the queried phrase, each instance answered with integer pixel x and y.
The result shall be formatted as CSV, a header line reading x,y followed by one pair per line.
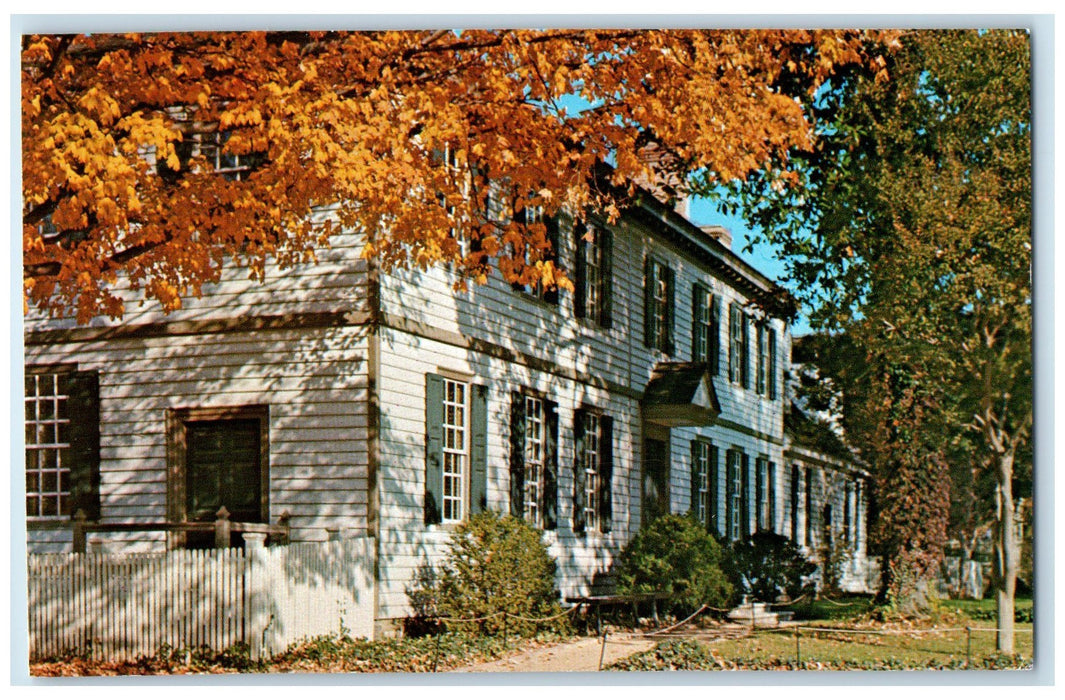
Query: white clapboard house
x,y
347,401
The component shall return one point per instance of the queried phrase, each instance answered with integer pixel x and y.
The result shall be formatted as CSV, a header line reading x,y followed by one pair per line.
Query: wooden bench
x,y
634,599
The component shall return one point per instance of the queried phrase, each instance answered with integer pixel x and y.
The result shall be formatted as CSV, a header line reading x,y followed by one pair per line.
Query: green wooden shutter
x,y
745,495
434,448
578,471
551,224
730,492
605,240
695,481
772,497
580,275
517,454
83,435
759,492
550,496
606,472
670,311
478,448
712,497
648,302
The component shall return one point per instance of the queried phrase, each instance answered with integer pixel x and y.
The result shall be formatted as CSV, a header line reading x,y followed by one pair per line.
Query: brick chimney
x,y
719,233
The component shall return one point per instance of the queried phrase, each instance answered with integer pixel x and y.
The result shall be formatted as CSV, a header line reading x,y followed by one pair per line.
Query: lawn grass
x,y
846,638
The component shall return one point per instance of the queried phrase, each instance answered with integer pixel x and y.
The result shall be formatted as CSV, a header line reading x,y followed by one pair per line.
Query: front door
x,y
655,477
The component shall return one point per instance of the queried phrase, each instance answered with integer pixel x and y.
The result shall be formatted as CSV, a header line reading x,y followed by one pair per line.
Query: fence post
x,y
79,531
798,651
255,592
283,521
602,651
968,646
222,528
752,614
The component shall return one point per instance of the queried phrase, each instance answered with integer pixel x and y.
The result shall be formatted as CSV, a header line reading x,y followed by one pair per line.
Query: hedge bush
x,y
675,554
493,565
767,564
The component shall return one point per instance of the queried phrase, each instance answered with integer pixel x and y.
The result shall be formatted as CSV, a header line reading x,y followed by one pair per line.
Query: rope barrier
x,y
542,619
667,629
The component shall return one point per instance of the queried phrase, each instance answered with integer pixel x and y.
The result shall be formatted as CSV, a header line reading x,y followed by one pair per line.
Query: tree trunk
x,y
1007,554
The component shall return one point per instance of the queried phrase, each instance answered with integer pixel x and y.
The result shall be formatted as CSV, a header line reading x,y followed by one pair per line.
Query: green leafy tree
x,y
911,234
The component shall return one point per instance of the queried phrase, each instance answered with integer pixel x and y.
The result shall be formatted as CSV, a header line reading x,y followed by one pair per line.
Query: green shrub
x,y
766,565
493,565
675,554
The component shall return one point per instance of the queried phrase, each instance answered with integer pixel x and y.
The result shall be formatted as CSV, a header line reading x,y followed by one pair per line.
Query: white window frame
x,y
704,315
591,462
735,475
594,287
455,464
46,440
702,471
535,460
764,505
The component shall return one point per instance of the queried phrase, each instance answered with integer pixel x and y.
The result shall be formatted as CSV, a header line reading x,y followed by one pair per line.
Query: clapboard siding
x,y
336,282
314,382
406,541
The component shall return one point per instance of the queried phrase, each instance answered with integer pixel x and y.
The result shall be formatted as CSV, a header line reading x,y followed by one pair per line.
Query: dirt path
x,y
579,655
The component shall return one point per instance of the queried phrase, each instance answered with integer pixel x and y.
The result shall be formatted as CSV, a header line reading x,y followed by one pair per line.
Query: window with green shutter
x,y
658,305
705,330
704,482
62,430
534,459
736,498
593,471
456,437
533,215
594,274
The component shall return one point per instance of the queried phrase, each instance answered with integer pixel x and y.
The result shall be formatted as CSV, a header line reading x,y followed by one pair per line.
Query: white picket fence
x,y
121,606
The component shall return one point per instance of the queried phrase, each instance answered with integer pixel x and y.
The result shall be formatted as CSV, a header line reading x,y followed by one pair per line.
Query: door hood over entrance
x,y
680,393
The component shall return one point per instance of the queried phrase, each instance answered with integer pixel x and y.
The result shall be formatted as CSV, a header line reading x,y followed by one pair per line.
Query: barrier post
x,y
798,651
968,646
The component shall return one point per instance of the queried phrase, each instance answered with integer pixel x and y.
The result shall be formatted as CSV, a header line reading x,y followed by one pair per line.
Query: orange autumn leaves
x,y
152,160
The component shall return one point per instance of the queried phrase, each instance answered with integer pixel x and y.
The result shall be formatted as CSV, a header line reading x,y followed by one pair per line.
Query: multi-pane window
x,y
737,345
701,466
762,358
765,506
532,215
704,327
456,449
535,454
658,312
735,494
211,146
48,483
594,273
590,462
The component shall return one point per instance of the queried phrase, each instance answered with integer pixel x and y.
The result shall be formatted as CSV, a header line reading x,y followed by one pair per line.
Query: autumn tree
x,y
153,159
912,234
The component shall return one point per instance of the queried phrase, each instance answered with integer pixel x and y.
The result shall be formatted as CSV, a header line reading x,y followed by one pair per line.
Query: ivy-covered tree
x,y
911,234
